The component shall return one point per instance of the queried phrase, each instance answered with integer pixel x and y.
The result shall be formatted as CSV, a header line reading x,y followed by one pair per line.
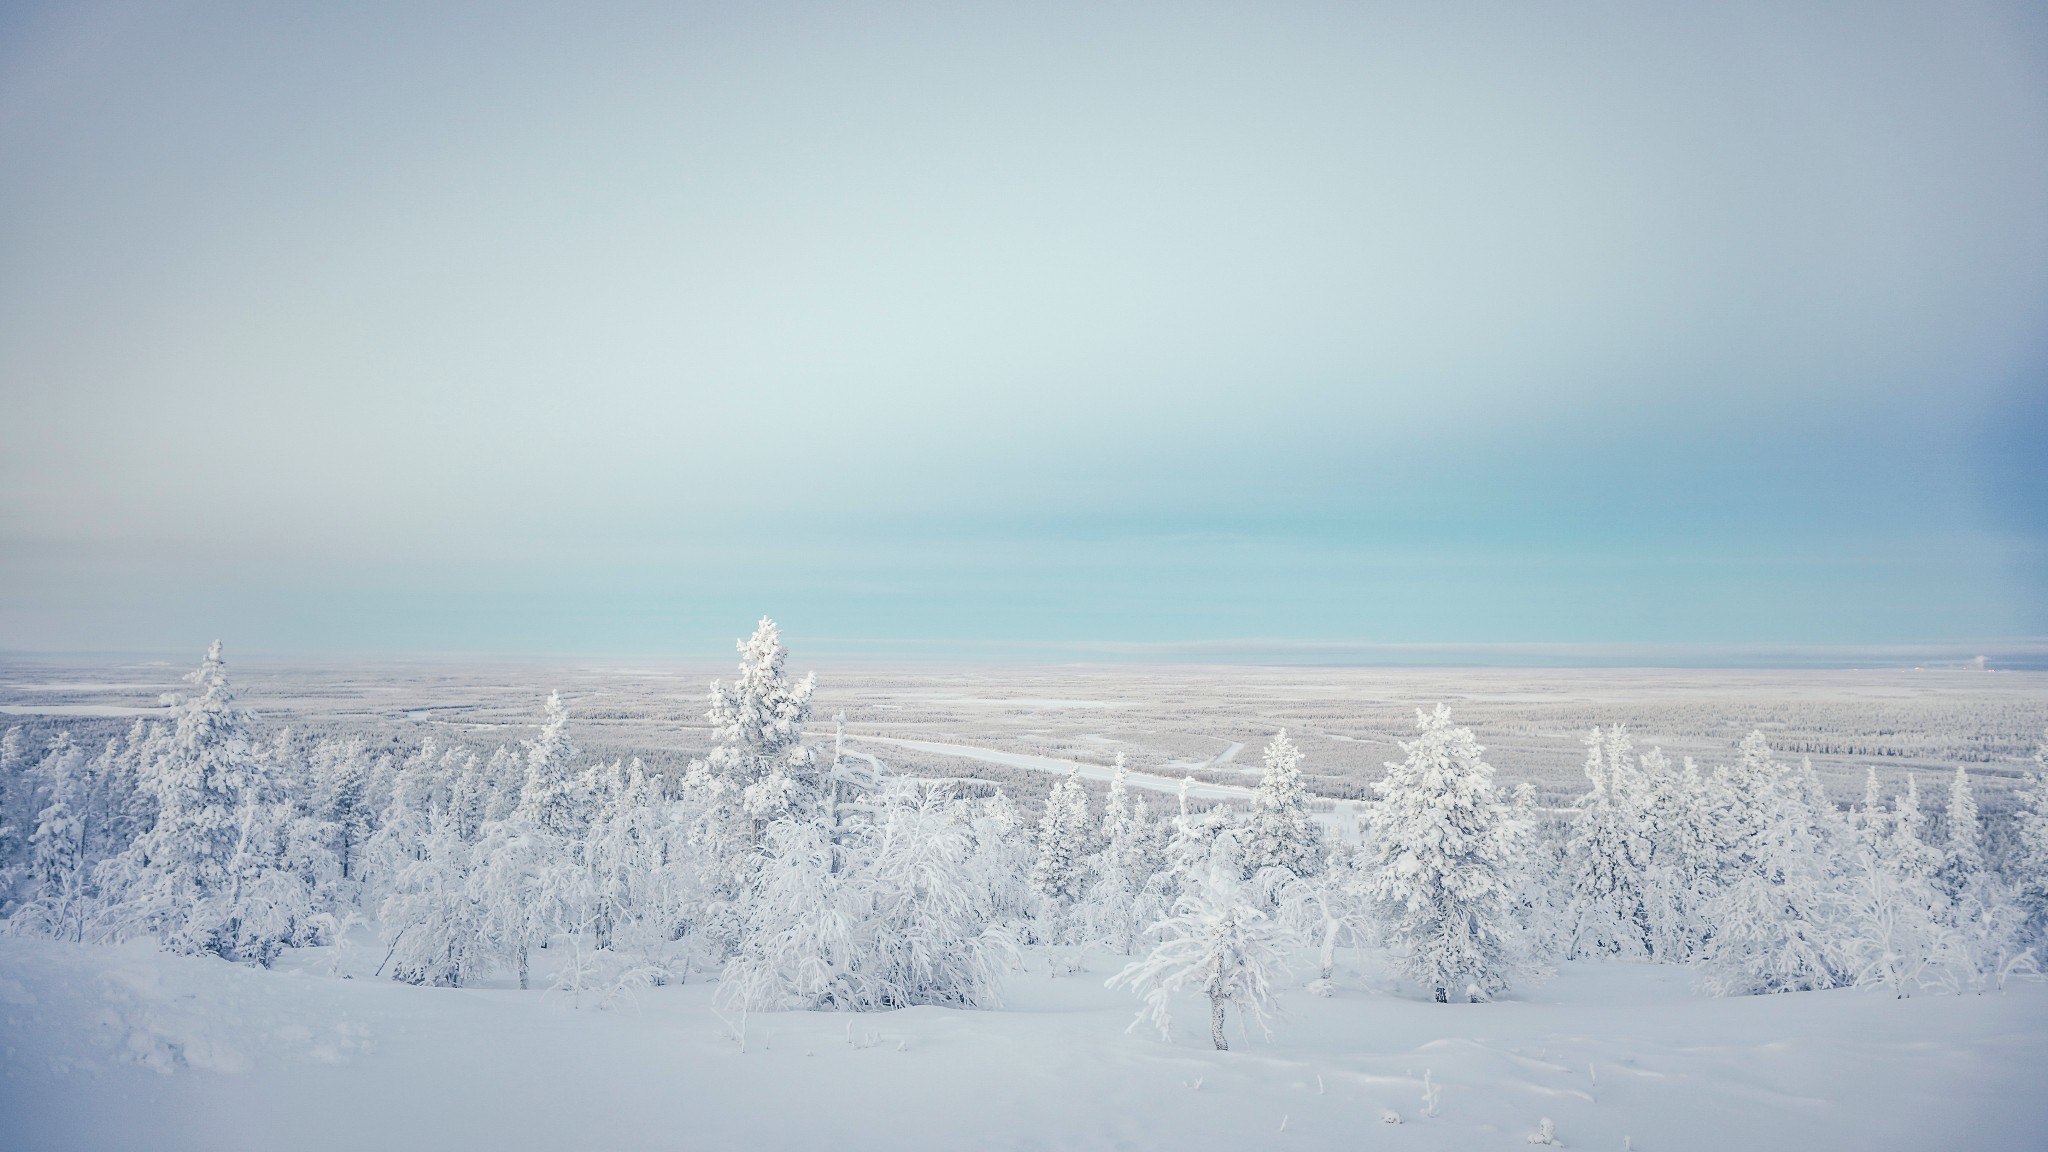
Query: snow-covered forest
x,y
784,874
798,876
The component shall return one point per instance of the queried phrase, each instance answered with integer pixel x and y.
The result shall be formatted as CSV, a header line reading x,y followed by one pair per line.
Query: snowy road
x,y
1197,790
1341,819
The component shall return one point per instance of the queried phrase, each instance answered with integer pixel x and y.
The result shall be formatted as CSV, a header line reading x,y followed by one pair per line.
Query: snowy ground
x,y
127,1048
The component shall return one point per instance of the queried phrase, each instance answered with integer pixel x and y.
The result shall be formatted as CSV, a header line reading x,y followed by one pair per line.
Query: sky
x,y
609,328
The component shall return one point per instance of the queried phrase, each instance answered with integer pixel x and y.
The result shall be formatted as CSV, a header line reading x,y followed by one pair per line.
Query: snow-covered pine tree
x,y
212,874
1443,860
2029,863
1608,854
1059,875
341,775
1907,841
1870,820
1116,908
1962,857
758,726
1219,941
1676,825
18,808
1540,902
60,899
402,825
1981,911
550,795
758,771
1280,832
1897,931
525,877
1777,915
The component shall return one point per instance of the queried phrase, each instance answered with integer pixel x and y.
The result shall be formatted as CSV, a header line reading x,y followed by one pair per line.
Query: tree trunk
x,y
1216,1024
1330,946
1442,997
522,971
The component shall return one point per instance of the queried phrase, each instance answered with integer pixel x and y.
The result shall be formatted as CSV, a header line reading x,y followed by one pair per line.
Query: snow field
x,y
126,1047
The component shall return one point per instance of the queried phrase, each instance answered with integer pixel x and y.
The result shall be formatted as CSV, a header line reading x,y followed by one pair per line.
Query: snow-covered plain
x,y
127,1047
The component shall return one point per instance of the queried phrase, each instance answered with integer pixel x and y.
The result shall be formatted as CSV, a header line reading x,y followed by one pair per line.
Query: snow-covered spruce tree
x,y
524,877
1898,931
1540,902
17,810
2029,865
1982,910
60,863
1677,826
758,726
1608,854
341,772
1280,832
1059,875
758,771
1638,856
1962,857
212,874
1778,919
550,796
1443,862
1117,906
1217,940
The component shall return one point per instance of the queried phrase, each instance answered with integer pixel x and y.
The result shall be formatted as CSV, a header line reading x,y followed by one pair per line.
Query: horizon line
x,y
2024,654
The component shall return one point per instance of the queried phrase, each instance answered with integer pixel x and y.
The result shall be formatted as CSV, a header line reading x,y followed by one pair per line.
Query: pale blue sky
x,y
611,327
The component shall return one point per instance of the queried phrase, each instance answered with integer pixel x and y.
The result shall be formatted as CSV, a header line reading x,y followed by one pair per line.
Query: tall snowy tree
x,y
1608,854
757,727
1443,859
61,848
2029,866
1059,876
549,795
758,771
1118,906
1777,915
1962,858
1280,832
212,874
341,772
526,880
